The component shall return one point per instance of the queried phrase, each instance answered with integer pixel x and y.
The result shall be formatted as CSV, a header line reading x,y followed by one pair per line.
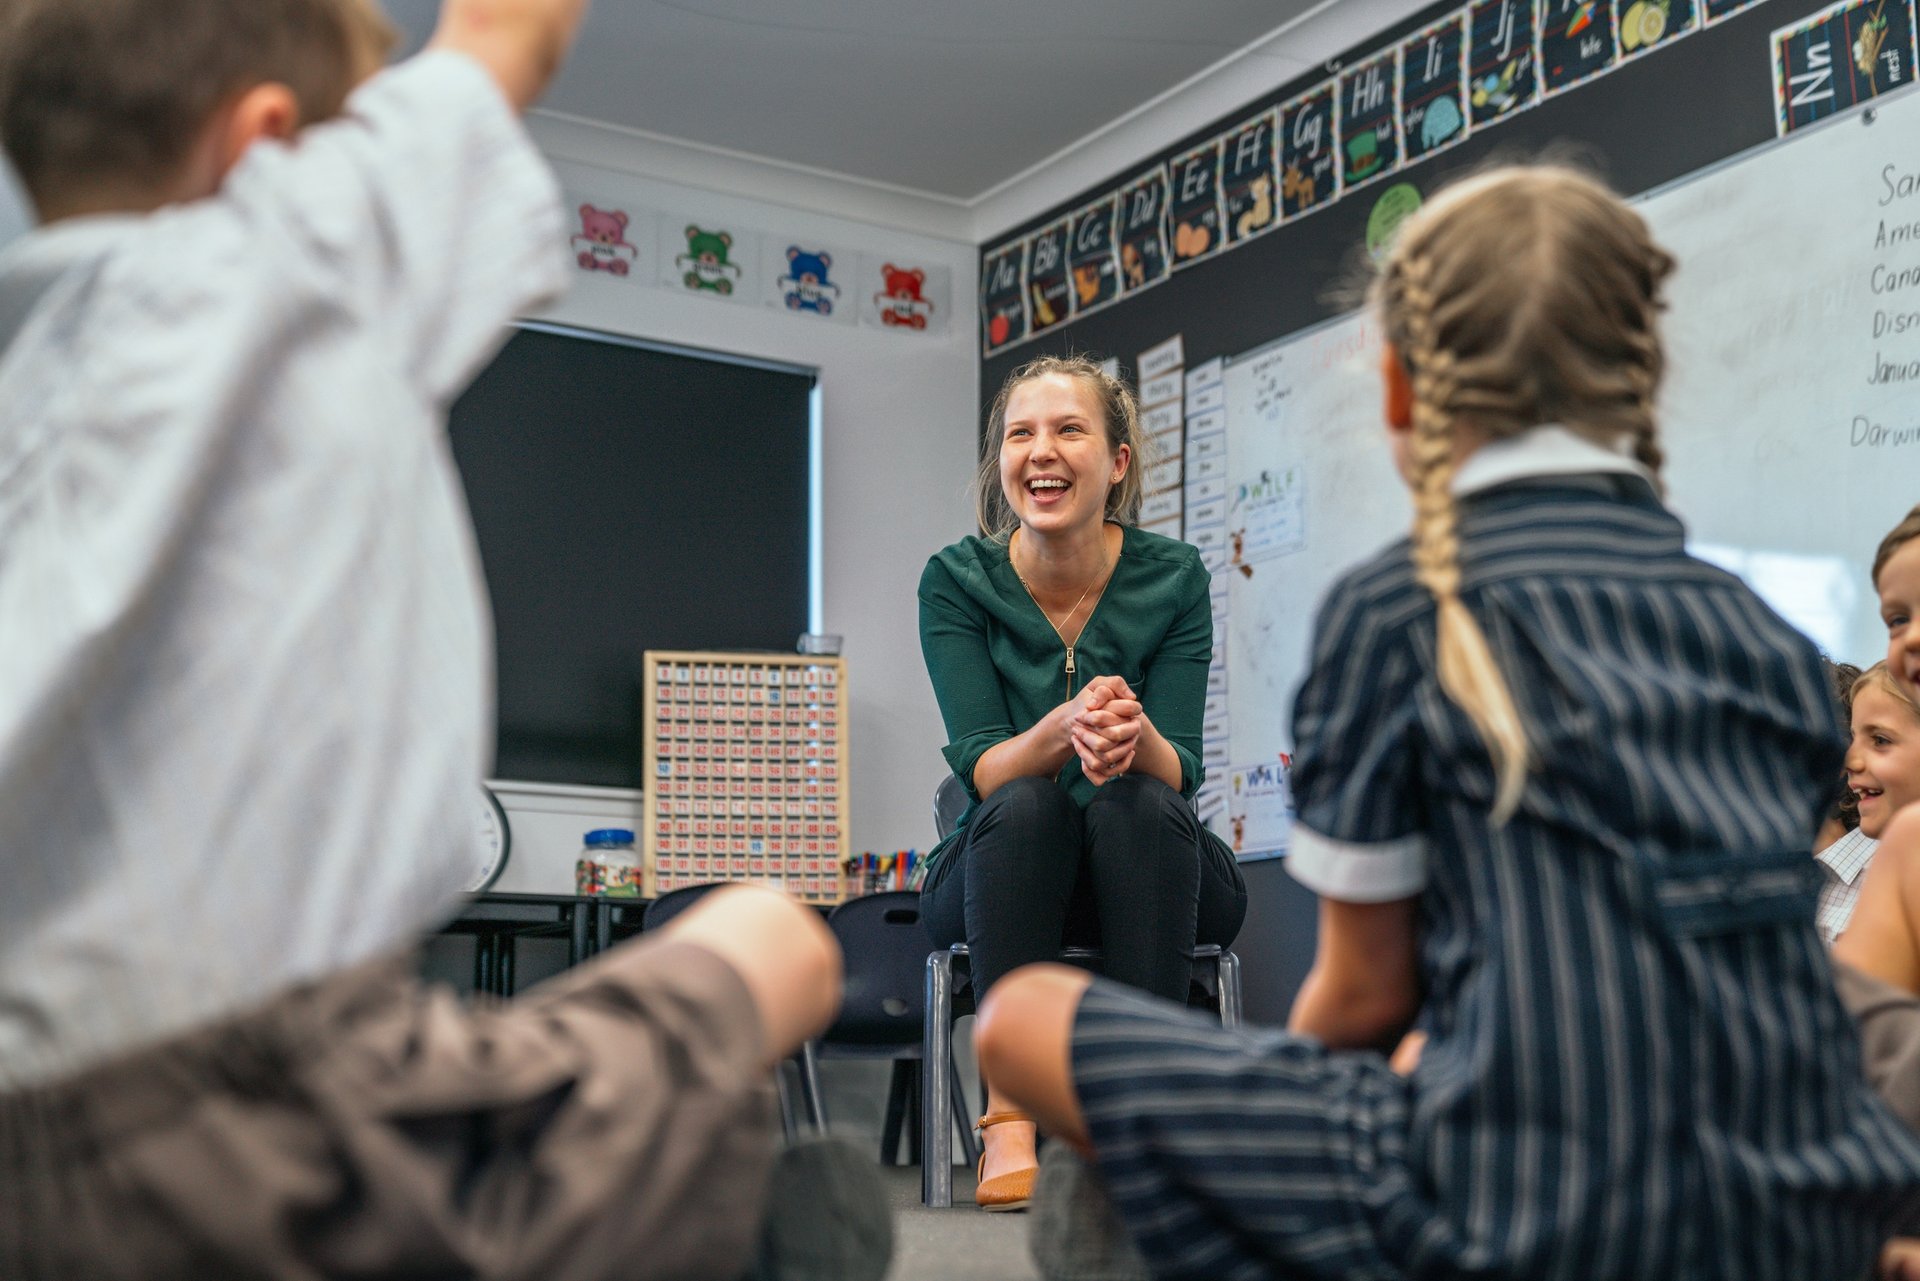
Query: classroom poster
x,y
1267,517
1003,296
613,243
1647,23
1049,296
1194,208
1091,254
1846,54
1309,163
1576,42
1502,64
1369,112
1143,232
1247,179
1721,9
1260,806
1433,74
903,296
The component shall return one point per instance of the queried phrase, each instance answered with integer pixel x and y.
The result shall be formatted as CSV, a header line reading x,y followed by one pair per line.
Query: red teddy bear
x,y
901,303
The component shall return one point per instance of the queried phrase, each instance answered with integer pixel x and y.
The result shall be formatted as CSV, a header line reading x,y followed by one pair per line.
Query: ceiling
x,y
948,99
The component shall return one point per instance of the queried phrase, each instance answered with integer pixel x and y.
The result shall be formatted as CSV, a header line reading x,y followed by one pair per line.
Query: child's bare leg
x,y
784,953
1024,1037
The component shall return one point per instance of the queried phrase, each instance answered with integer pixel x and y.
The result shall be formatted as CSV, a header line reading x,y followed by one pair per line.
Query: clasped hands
x,y
1103,723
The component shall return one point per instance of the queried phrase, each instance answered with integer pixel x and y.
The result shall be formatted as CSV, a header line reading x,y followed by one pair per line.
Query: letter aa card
x,y
1502,63
1047,290
1369,120
1846,54
1433,73
1309,153
1091,257
1143,232
1003,306
1576,42
1195,211
1247,178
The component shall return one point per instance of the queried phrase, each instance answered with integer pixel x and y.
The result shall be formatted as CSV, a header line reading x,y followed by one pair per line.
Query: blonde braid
x,y
1645,376
1468,672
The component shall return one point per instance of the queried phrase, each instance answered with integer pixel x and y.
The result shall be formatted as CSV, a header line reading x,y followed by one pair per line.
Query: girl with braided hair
x,y
1555,782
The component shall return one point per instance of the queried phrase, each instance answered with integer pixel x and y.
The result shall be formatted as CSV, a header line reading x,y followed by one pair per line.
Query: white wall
x,y
899,414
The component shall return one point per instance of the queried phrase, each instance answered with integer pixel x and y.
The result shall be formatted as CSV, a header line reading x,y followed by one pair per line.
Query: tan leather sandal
x,y
1010,1191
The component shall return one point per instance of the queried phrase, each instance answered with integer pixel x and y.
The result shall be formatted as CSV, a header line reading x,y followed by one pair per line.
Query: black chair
x,y
882,1011
669,905
949,996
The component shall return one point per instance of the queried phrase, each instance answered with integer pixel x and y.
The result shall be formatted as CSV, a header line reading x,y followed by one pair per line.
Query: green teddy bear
x,y
706,261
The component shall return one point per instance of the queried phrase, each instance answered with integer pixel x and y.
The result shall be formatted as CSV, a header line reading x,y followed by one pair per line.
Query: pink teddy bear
x,y
603,241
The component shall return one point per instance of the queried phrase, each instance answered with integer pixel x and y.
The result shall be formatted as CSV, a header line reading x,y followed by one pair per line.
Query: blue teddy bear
x,y
806,285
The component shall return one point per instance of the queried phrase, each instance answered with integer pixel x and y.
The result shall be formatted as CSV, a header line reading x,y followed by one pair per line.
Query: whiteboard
x,y
1790,415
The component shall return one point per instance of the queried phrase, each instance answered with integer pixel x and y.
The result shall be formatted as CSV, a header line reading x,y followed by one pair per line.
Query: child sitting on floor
x,y
1556,779
247,693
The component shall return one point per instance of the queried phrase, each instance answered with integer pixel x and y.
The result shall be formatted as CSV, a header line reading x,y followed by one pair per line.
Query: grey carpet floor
x,y
959,1244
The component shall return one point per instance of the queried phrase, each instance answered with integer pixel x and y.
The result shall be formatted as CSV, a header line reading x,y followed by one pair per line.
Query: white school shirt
x,y
1842,864
1383,872
245,651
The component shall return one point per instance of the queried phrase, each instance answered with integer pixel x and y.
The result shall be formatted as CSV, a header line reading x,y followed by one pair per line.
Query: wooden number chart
x,y
746,762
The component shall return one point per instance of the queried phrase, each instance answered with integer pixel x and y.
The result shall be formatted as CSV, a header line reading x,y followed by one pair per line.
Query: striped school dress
x,y
1638,1066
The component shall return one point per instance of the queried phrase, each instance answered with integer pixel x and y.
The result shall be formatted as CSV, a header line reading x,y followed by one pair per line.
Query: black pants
x,y
1134,875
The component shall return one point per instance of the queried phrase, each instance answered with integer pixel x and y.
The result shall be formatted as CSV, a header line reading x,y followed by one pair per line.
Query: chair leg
x,y
961,1120
1230,1010
788,1125
808,1061
936,1101
914,1145
897,1088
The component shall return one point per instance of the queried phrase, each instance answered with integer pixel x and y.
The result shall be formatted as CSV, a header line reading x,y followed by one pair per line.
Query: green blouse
x,y
998,666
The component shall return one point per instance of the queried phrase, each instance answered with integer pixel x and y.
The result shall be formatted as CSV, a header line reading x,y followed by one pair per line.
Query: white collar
x,y
1547,450
1848,855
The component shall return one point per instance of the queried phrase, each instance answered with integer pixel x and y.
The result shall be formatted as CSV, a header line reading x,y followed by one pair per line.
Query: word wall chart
x,y
746,762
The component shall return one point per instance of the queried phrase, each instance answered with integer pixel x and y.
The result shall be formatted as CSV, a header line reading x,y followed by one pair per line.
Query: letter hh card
x,y
1369,120
1309,165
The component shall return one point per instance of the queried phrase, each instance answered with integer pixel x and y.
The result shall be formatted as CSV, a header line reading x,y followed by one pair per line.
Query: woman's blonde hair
x,y
1522,296
1881,677
1119,415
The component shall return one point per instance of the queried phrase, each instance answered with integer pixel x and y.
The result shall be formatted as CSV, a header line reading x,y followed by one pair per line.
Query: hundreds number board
x,y
746,766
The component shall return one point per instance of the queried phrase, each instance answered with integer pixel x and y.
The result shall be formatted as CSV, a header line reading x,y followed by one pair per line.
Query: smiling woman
x,y
1069,652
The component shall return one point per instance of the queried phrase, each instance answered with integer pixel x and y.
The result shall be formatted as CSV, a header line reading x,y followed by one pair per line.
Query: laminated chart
x,y
746,769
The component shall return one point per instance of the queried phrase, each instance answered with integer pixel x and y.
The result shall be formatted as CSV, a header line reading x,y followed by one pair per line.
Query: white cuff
x,y
1350,872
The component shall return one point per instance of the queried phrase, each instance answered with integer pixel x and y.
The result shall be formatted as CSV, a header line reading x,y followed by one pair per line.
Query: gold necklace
x,y
1102,576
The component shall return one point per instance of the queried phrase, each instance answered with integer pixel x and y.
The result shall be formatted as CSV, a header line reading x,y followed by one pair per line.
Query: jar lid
x,y
610,836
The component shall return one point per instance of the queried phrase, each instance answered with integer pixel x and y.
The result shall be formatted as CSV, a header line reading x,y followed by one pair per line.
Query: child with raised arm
x,y
1556,779
245,690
